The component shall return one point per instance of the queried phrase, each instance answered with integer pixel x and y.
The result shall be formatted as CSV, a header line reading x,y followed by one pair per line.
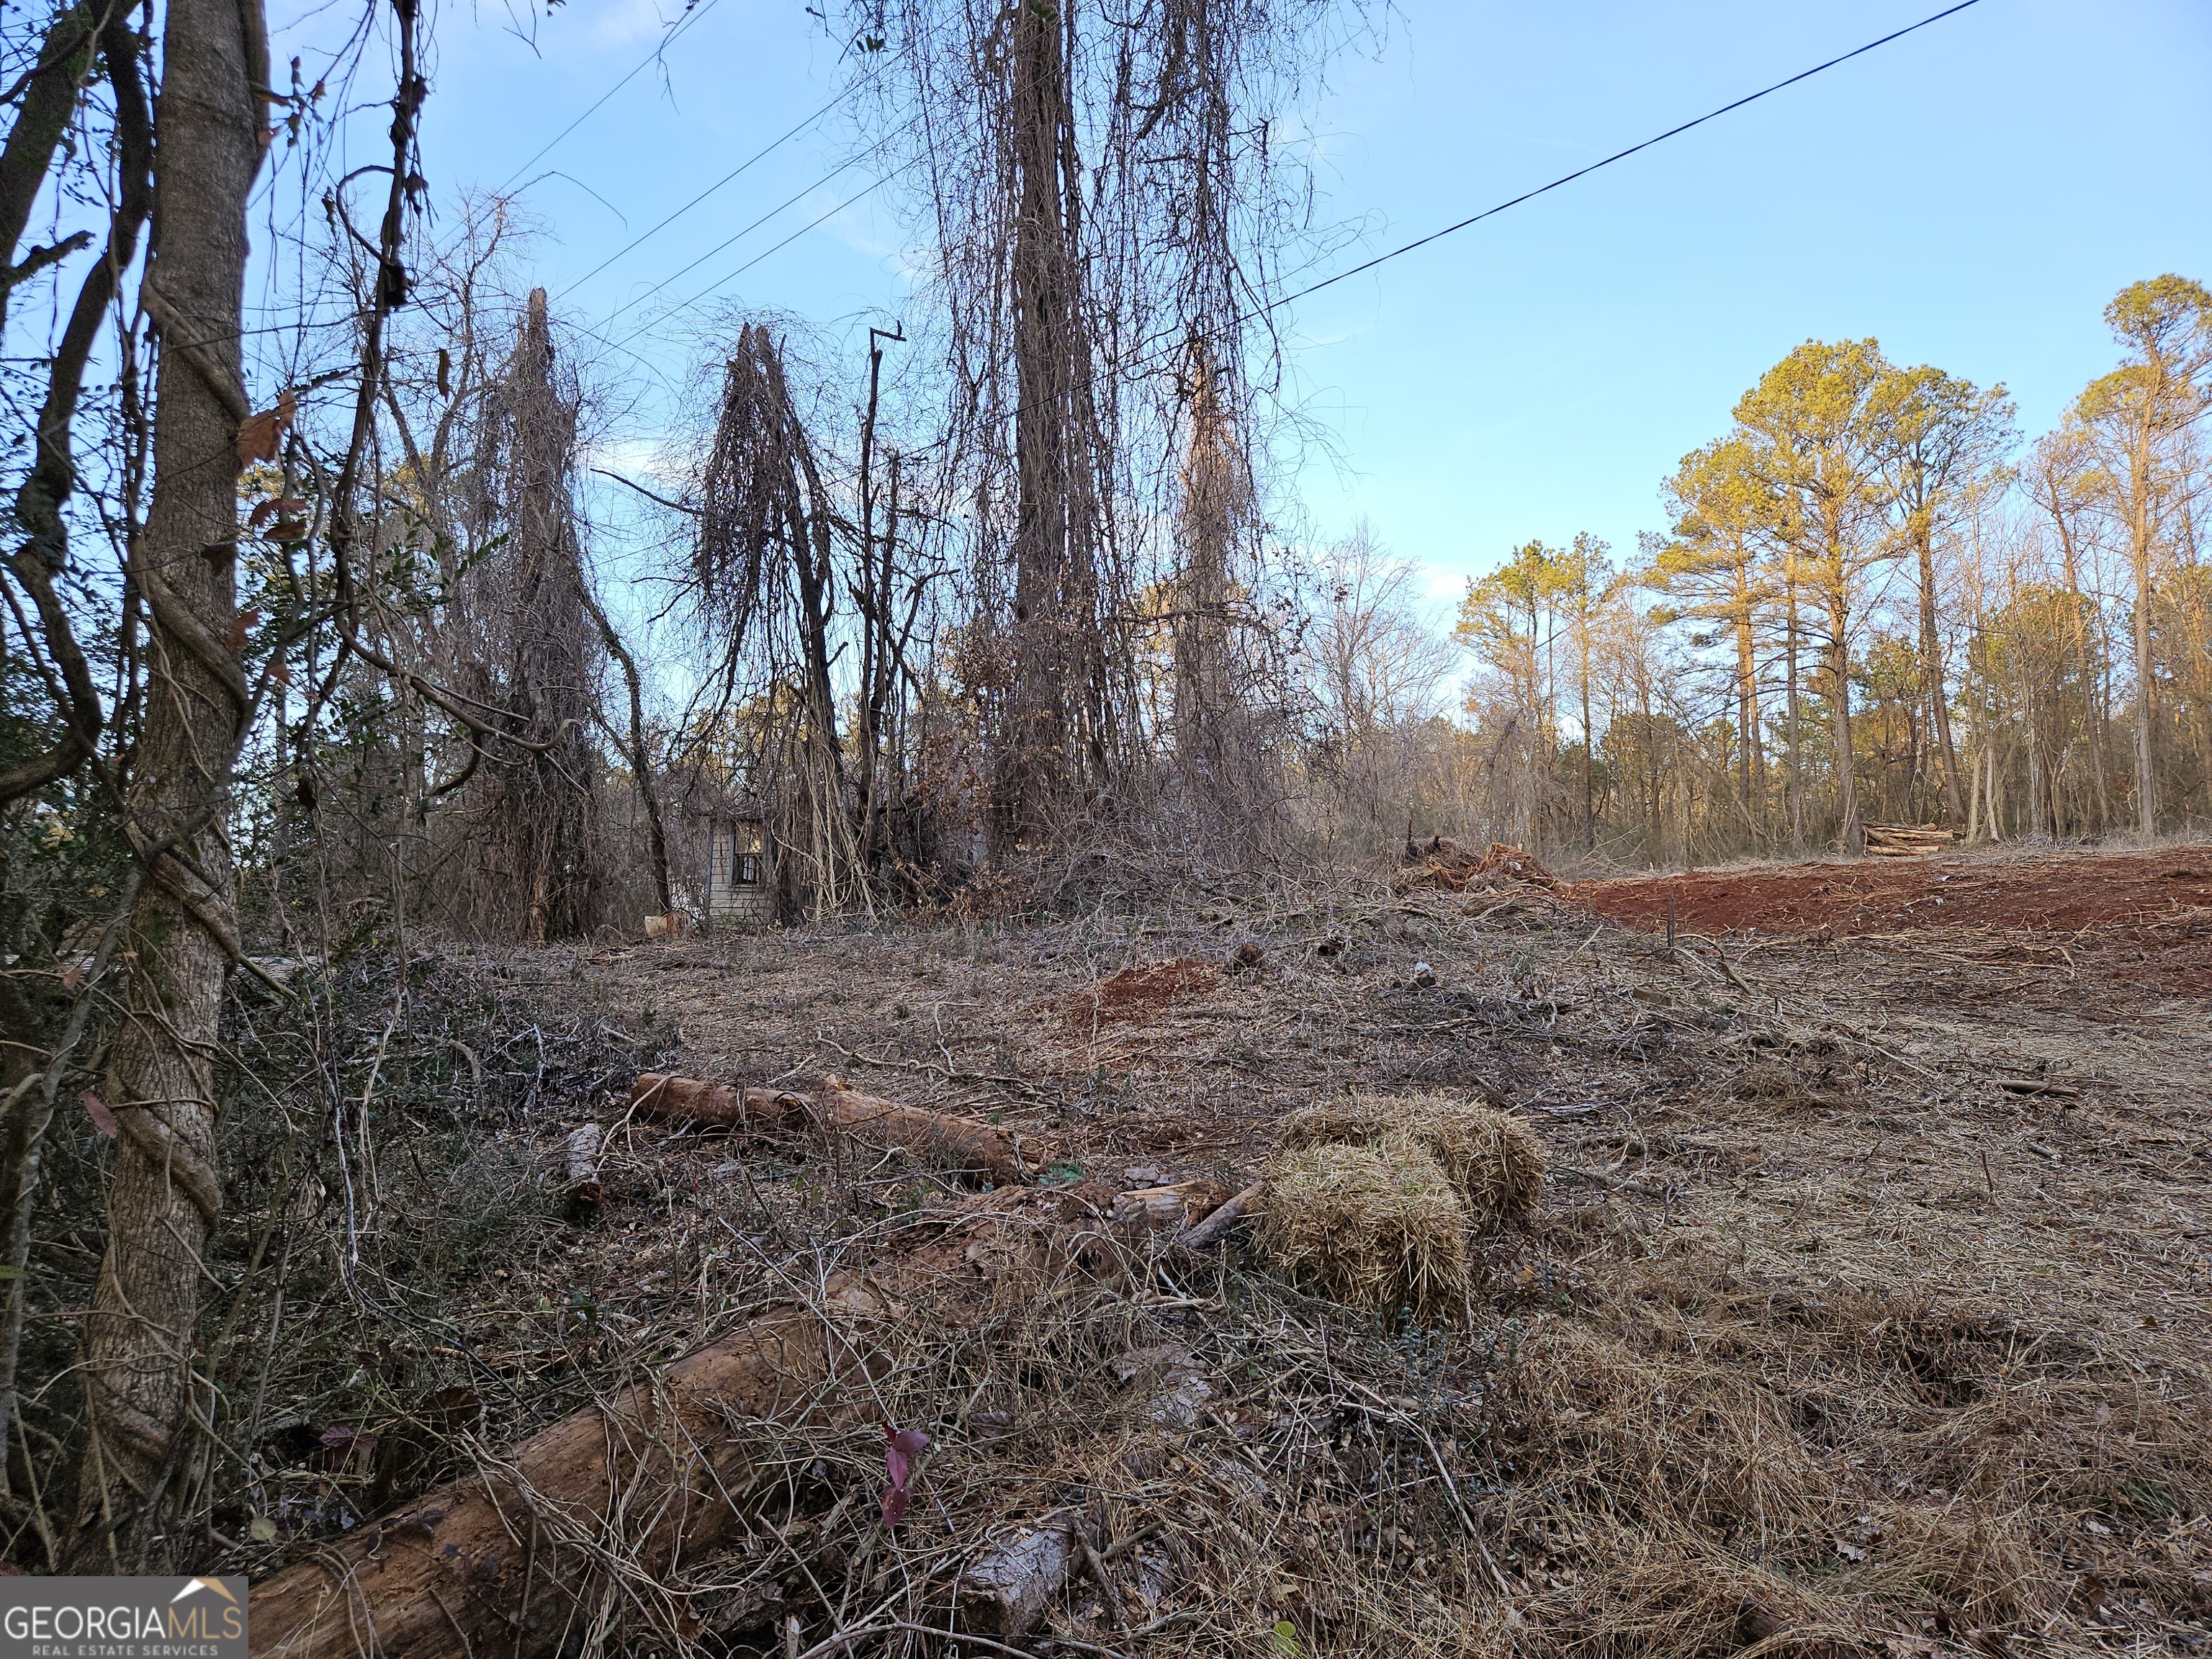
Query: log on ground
x,y
503,1561
959,1146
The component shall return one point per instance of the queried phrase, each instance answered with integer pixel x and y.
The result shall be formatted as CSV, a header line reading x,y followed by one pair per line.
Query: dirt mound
x,y
1450,866
1137,993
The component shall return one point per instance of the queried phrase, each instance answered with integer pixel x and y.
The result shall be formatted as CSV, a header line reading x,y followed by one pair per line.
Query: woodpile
x,y
1899,840
957,1145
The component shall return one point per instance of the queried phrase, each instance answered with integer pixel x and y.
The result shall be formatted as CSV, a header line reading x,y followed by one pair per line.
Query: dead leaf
x,y
241,625
73,977
102,1119
270,507
260,435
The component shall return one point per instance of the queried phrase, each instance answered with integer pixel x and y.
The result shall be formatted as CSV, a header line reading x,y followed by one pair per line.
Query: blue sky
x,y
1971,195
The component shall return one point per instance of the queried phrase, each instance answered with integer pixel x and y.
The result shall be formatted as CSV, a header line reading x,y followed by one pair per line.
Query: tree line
x,y
1873,600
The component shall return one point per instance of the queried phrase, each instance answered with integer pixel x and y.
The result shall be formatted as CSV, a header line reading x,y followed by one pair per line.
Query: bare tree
x,y
1109,201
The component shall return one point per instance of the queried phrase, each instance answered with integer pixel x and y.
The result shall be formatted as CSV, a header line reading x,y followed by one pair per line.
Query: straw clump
x,y
1380,1226
1494,1162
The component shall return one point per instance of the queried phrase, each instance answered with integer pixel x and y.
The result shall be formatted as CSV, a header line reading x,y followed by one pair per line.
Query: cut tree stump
x,y
1151,1209
502,1562
582,1160
1005,1590
959,1146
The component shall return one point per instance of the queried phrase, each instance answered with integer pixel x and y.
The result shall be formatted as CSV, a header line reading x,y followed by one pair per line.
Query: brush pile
x,y
1444,866
1901,841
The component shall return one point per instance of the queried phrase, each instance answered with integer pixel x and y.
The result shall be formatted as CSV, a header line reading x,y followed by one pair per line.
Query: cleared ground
x,y
1869,1311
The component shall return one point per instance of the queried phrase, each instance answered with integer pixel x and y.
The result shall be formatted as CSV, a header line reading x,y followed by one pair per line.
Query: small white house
x,y
740,872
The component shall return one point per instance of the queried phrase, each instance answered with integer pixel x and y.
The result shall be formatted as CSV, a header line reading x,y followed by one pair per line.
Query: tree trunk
x,y
1931,654
1212,504
1849,834
2093,699
1056,710
1796,803
165,1191
505,1564
1589,747
49,96
2139,539
641,758
1746,680
549,801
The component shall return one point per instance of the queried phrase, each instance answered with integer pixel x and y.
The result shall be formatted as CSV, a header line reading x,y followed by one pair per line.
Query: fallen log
x,y
501,1561
959,1146
1225,1216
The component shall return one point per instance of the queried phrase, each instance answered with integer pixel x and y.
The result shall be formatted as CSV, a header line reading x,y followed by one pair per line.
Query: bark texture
x,y
164,1193
959,1145
502,1562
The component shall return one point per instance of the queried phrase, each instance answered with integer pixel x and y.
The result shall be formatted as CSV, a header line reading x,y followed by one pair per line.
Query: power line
x,y
639,239
1277,304
731,277
1144,359
738,236
645,63
1618,156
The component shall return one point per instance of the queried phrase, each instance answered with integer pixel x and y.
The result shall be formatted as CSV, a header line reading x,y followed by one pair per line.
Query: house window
x,y
745,855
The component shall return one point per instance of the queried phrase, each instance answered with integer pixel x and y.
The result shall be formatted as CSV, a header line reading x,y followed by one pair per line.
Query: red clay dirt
x,y
2060,893
1136,993
2136,921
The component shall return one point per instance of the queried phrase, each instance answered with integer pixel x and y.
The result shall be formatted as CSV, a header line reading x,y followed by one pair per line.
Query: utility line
x,y
1146,359
738,236
650,59
685,305
639,239
1618,156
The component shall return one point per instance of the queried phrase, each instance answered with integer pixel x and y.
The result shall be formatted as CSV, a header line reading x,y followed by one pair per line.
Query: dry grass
x,y
1377,1225
1494,1161
1826,1338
